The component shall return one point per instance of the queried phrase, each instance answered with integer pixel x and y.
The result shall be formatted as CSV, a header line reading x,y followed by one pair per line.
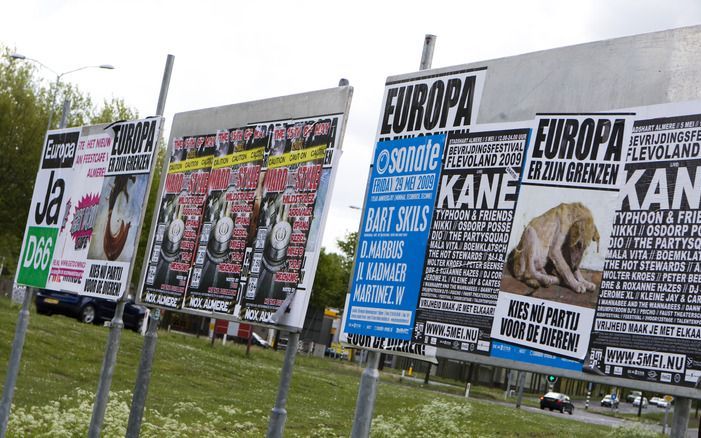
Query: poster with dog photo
x,y
572,174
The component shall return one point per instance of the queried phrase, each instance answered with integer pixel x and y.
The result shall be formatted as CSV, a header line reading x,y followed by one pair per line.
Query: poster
x,y
571,178
121,206
230,210
648,317
295,182
179,218
478,189
48,207
393,236
87,207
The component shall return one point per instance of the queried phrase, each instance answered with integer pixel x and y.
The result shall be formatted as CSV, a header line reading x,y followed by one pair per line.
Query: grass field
x,y
198,390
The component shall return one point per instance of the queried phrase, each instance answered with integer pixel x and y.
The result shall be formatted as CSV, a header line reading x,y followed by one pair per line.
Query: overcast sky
x,y
228,52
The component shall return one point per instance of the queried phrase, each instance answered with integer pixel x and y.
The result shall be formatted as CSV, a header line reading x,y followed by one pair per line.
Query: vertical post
x,y
53,101
278,415
428,373
143,376
468,385
521,383
8,390
65,111
249,341
365,404
107,371
680,417
640,406
664,421
427,54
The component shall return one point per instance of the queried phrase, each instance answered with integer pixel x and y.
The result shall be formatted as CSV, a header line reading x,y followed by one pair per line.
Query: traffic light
x,y
552,379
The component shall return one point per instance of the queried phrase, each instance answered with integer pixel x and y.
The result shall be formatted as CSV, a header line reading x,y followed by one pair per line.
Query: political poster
x,y
572,174
295,183
477,193
121,207
82,236
647,324
393,237
48,207
180,212
230,208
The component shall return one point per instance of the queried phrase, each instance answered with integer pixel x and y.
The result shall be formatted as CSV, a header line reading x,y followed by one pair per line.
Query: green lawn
x,y
198,390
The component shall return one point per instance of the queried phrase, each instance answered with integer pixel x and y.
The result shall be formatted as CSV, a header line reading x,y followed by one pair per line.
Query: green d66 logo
x,y
37,252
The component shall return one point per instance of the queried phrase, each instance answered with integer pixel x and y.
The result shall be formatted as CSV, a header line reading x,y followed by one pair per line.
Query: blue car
x,y
87,309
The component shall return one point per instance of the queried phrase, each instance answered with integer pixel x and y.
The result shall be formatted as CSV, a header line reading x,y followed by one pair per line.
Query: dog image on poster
x,y
555,249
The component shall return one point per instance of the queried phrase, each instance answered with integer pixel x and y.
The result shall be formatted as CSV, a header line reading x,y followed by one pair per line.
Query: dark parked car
x,y
557,401
87,309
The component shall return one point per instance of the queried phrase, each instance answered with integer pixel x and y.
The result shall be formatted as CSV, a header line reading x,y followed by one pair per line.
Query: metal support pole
x,y
365,404
143,375
13,367
664,421
427,54
249,341
64,113
428,373
640,406
53,102
108,365
521,383
278,415
680,417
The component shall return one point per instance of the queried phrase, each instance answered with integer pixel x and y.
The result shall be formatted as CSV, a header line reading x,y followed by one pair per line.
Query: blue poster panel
x,y
394,234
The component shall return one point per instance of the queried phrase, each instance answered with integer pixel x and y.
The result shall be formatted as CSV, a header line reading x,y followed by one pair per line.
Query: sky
x,y
229,52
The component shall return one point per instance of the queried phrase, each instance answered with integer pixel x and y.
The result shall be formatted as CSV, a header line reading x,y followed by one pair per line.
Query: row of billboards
x,y
568,240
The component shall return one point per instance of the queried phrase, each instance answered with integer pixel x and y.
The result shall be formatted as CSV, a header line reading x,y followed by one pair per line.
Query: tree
x,y
24,111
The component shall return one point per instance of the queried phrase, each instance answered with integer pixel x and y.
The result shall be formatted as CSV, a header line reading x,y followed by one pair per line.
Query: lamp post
x,y
19,56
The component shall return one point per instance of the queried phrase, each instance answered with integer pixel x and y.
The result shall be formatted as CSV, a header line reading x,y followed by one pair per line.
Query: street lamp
x,y
21,57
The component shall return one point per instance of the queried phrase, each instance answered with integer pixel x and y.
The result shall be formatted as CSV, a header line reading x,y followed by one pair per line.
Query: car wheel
x,y
562,410
571,411
87,314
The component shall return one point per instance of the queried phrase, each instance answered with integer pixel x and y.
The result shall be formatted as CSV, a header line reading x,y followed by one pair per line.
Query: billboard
x,y
87,206
567,240
243,206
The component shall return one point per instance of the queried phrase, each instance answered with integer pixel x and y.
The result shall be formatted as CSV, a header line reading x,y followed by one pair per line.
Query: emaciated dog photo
x,y
552,247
